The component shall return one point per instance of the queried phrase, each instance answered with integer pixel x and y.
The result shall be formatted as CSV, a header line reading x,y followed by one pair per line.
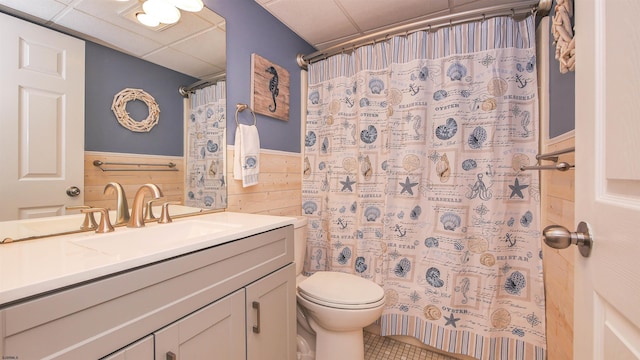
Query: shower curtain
x,y
412,179
205,185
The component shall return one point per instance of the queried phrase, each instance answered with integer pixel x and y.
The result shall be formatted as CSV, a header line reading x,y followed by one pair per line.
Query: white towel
x,y
246,157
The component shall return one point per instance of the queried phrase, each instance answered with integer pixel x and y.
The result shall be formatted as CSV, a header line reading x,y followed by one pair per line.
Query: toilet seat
x,y
341,290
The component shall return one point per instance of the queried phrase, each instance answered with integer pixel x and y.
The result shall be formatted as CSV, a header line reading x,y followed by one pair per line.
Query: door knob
x,y
73,191
558,237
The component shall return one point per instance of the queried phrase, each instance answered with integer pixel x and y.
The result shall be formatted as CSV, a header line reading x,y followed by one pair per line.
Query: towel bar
x,y
171,166
242,107
552,156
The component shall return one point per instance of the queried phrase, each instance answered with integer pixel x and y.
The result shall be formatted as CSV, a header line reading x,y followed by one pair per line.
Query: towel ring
x,y
242,107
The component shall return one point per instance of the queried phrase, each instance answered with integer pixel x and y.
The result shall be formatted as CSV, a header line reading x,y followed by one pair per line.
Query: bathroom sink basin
x,y
128,242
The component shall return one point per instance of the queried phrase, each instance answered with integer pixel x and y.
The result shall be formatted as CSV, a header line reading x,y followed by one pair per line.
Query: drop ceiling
x,y
112,23
324,23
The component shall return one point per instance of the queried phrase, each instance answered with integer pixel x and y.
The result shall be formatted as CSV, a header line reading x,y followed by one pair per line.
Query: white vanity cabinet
x,y
189,306
219,330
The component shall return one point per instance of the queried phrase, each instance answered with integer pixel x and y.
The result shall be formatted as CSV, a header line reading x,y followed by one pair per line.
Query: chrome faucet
x,y
137,210
122,208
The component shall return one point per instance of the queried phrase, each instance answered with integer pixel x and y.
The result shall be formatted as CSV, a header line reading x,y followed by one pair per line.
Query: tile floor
x,y
384,348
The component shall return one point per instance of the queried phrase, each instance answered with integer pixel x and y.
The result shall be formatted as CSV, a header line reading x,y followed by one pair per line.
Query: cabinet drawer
x,y
99,317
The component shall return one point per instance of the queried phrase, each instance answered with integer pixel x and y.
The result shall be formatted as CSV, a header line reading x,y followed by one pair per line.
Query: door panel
x,y
607,284
271,327
214,332
42,119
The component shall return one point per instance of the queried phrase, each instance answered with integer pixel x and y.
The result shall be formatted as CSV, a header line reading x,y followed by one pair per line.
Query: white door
x,y
607,284
41,120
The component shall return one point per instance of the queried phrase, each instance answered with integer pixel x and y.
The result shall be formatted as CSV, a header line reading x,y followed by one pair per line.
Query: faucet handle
x,y
148,210
89,222
105,223
164,216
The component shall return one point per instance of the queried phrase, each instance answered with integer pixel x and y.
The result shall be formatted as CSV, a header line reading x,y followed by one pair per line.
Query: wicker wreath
x,y
119,108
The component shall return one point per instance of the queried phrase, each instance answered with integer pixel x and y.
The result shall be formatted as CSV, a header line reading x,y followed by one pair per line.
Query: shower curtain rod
x,y
186,90
516,8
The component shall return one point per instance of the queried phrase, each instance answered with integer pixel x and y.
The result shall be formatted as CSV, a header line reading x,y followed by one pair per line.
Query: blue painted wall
x,y
251,29
562,93
109,72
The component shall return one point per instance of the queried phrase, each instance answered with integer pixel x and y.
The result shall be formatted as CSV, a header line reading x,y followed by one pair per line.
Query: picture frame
x,y
269,88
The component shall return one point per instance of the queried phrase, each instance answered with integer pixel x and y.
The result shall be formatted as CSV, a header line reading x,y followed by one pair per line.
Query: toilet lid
x,y
340,289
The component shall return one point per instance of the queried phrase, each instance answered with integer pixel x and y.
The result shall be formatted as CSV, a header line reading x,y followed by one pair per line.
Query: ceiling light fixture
x,y
147,20
162,10
166,11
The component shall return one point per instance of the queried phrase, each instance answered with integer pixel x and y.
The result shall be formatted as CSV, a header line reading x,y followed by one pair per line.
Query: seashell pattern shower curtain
x,y
412,179
205,183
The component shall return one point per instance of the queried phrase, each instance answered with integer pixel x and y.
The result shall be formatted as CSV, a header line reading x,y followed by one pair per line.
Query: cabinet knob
x,y
171,355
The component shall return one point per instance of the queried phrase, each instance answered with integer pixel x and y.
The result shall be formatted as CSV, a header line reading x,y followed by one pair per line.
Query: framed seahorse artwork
x,y
270,88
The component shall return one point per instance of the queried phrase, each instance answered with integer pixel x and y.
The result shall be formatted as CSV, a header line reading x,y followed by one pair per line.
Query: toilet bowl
x,y
333,308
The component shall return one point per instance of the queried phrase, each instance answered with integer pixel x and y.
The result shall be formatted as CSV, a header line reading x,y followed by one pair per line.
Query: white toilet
x,y
333,308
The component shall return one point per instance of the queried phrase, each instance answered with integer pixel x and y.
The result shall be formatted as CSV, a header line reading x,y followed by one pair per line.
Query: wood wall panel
x,y
279,190
557,190
170,182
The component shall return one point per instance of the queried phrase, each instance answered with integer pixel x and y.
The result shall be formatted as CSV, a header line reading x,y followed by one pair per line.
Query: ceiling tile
x,y
46,10
205,46
314,21
180,62
96,28
374,14
212,17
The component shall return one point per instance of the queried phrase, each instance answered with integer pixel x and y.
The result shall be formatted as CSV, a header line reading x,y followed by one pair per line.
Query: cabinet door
x,y
214,332
139,350
271,319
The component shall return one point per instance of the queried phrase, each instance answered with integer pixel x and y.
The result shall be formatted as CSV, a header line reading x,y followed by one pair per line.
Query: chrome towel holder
x,y
552,156
242,107
140,166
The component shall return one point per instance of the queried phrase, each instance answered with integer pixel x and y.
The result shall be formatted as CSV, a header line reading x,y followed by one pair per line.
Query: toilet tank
x,y
299,242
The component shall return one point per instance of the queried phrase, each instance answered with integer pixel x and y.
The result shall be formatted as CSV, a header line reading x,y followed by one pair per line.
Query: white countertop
x,y
32,267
